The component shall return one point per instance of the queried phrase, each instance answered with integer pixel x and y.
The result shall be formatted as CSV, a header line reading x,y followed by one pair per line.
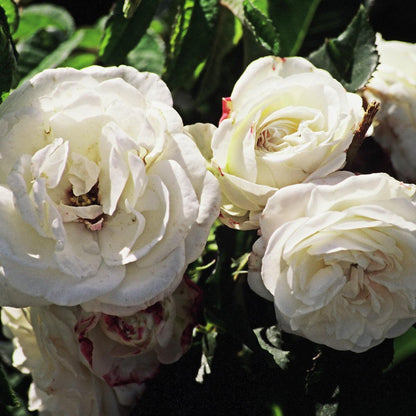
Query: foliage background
x,y
240,364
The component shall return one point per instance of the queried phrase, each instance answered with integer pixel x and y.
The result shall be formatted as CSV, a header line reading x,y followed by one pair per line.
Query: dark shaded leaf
x,y
329,409
7,396
269,339
292,20
227,35
122,35
8,65
46,50
352,57
262,27
329,20
12,14
191,41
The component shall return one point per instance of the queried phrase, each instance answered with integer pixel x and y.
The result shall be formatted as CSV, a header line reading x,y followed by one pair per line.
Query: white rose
x,y
96,364
104,197
47,348
129,349
338,257
286,122
394,85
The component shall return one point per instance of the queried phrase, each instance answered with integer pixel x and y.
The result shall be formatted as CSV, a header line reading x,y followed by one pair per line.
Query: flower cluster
x,y
106,199
336,252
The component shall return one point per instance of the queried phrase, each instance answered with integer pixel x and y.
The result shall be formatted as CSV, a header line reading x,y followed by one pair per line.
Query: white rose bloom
x,y
338,257
394,85
47,348
104,197
128,350
96,364
286,122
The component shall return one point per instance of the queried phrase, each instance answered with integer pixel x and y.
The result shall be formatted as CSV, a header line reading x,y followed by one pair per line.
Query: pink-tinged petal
x,y
227,108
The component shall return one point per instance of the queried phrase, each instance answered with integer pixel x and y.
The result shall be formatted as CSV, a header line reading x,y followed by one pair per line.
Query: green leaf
x,y
129,7
191,41
269,340
42,16
7,395
122,35
58,56
86,52
80,60
12,14
292,20
180,28
8,65
352,57
227,36
149,54
92,38
34,49
404,347
330,19
262,27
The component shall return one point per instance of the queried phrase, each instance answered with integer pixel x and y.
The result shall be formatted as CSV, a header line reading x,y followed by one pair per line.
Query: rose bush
x,y
338,258
393,84
96,364
104,197
286,122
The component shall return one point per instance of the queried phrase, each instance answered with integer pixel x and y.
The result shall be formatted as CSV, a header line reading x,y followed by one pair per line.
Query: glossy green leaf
x,y
292,20
42,16
180,28
149,54
34,49
330,19
80,60
122,35
227,36
8,65
352,57
404,347
191,41
86,52
12,14
262,27
92,38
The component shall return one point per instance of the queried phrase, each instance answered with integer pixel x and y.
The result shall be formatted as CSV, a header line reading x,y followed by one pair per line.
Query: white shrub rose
x,y
47,348
286,122
393,84
338,258
104,197
96,364
124,350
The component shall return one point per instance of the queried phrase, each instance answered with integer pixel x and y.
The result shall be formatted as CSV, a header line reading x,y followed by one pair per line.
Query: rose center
x,y
361,281
91,198
274,137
